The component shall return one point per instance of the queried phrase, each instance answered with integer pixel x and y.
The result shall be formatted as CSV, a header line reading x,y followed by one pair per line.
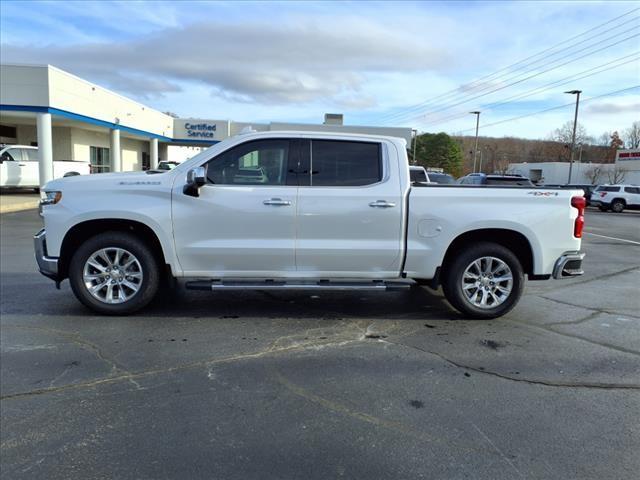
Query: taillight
x,y
602,194
579,203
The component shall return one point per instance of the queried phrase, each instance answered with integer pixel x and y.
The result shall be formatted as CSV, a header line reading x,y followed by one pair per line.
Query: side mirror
x,y
196,178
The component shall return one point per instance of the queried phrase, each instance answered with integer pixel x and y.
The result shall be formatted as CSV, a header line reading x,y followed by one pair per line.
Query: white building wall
x,y
557,173
83,139
73,94
132,153
24,85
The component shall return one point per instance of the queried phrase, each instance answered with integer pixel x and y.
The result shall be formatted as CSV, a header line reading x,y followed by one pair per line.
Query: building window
x,y
99,158
8,132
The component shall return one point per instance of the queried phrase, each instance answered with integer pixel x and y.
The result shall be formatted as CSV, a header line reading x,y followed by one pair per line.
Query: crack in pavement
x,y
76,339
132,377
595,279
574,336
391,425
591,316
603,386
597,310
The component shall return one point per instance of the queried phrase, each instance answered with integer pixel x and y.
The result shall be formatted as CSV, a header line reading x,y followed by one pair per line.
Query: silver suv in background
x,y
616,197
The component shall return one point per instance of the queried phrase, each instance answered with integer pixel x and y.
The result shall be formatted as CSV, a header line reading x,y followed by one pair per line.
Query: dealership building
x,y
69,118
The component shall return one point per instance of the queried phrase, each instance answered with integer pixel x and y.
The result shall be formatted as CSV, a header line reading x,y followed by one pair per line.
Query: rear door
x,y
349,217
31,167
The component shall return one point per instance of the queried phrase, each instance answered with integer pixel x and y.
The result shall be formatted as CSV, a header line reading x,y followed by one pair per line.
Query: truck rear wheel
x,y
483,281
114,273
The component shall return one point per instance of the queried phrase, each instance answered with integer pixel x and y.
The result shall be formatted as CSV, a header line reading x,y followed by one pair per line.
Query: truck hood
x,y
107,180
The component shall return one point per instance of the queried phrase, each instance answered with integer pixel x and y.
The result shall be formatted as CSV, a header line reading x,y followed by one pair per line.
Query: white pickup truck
x,y
19,167
277,210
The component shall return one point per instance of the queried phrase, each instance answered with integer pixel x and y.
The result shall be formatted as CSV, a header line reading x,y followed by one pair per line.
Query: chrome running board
x,y
230,284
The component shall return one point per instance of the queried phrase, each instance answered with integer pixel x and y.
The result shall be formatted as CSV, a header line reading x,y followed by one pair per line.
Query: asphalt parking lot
x,y
315,385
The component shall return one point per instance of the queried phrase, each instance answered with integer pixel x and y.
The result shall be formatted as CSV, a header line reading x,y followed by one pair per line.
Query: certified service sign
x,y
200,130
205,130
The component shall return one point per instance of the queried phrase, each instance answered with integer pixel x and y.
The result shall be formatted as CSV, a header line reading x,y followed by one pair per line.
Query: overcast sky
x,y
381,63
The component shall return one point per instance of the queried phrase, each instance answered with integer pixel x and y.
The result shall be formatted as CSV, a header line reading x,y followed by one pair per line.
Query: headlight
x,y
50,198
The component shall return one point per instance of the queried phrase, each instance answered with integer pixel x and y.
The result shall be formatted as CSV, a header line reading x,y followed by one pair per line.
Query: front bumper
x,y
569,265
48,266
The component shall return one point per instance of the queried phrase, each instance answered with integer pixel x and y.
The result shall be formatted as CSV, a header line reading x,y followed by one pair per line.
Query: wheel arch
x,y
82,231
510,239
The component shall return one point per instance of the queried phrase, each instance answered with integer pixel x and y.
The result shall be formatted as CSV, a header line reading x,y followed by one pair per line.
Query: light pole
x,y
575,124
475,150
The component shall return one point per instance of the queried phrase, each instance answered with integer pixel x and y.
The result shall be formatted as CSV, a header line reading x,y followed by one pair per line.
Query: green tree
x,y
439,150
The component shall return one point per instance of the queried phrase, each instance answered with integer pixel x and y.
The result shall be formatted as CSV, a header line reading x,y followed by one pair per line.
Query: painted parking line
x,y
613,238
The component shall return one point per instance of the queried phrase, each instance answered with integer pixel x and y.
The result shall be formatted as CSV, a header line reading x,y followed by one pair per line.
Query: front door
x,y
243,222
349,212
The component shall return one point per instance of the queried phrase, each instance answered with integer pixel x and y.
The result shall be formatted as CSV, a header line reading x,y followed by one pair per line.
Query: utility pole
x,y
475,150
415,142
575,125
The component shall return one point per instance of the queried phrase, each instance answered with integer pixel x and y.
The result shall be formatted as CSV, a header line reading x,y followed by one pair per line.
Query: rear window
x,y
339,163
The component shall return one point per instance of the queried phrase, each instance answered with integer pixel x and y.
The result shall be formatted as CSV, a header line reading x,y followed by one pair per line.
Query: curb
x,y
18,207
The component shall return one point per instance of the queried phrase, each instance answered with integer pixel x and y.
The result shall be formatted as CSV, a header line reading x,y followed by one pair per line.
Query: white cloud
x,y
251,62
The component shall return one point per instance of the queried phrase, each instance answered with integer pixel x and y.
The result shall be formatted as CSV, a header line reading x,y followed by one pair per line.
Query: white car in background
x,y
616,197
19,167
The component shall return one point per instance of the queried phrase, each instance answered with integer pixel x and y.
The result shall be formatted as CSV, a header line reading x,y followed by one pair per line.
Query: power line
x,y
549,86
557,107
486,77
468,99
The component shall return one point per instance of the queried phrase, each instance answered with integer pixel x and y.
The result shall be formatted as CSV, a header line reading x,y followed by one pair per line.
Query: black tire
x,y
453,273
149,267
617,206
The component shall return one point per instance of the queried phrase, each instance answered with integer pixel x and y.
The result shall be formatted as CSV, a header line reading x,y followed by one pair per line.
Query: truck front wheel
x,y
114,273
483,281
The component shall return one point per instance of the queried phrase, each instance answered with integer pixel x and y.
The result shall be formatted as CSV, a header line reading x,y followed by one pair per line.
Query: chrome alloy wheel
x,y
112,275
487,282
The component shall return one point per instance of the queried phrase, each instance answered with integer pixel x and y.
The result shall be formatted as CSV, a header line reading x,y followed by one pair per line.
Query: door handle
x,y
278,202
21,165
382,204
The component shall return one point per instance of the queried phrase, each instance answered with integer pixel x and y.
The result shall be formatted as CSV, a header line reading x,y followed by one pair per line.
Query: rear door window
x,y
609,189
30,154
336,163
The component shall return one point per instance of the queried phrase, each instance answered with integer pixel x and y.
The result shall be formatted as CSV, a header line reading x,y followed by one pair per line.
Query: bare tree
x,y
564,134
616,175
593,174
501,165
604,139
632,135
